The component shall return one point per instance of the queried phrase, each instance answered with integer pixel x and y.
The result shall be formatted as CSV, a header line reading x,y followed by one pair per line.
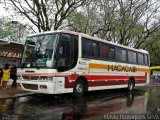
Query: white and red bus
x,y
69,62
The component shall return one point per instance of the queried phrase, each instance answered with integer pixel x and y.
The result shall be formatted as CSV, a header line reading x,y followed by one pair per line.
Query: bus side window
x,y
74,51
86,48
145,59
64,53
105,50
111,53
61,54
68,52
95,49
140,58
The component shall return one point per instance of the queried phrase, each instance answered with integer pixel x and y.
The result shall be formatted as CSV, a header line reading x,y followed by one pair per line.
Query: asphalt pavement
x,y
13,93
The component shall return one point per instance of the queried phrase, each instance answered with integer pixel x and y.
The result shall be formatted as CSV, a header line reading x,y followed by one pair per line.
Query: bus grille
x,y
30,77
30,86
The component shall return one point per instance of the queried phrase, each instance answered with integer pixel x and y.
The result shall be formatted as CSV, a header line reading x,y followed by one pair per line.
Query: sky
x,y
2,10
4,13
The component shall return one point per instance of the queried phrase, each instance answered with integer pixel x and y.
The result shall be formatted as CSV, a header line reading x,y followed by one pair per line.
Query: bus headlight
x,y
43,86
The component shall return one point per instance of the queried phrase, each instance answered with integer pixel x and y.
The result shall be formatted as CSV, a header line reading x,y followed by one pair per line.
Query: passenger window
x,y
86,48
132,57
111,53
140,58
104,51
120,55
95,49
145,59
124,56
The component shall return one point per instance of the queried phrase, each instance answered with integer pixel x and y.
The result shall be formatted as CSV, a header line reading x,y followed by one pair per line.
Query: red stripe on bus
x,y
107,77
98,80
94,81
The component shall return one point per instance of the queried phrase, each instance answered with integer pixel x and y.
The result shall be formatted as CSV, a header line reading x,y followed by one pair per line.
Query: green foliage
x,y
5,29
79,19
13,30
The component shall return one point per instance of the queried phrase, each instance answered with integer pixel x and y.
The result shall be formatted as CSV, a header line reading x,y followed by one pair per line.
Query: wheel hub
x,y
130,86
79,88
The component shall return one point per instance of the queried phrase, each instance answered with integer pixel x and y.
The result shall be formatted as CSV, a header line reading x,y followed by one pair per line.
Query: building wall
x,y
10,61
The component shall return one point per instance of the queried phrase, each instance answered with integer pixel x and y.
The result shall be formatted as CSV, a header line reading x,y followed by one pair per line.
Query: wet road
x,y
94,106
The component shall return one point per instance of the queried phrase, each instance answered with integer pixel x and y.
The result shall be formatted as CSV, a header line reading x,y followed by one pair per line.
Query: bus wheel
x,y
130,85
79,89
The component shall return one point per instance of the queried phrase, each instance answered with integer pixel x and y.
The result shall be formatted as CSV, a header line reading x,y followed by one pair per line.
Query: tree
x,y
95,18
138,28
13,30
44,14
127,22
153,47
5,29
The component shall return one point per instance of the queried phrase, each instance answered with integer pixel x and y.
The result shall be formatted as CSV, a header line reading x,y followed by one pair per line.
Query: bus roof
x,y
90,37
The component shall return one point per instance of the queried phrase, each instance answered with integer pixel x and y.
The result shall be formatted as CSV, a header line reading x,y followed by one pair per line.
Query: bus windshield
x,y
39,51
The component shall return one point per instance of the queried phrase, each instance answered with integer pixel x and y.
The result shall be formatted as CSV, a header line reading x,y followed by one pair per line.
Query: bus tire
x,y
130,85
79,88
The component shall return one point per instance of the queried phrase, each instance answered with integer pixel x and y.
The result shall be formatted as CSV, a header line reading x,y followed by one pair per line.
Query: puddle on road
x,y
153,104
93,106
